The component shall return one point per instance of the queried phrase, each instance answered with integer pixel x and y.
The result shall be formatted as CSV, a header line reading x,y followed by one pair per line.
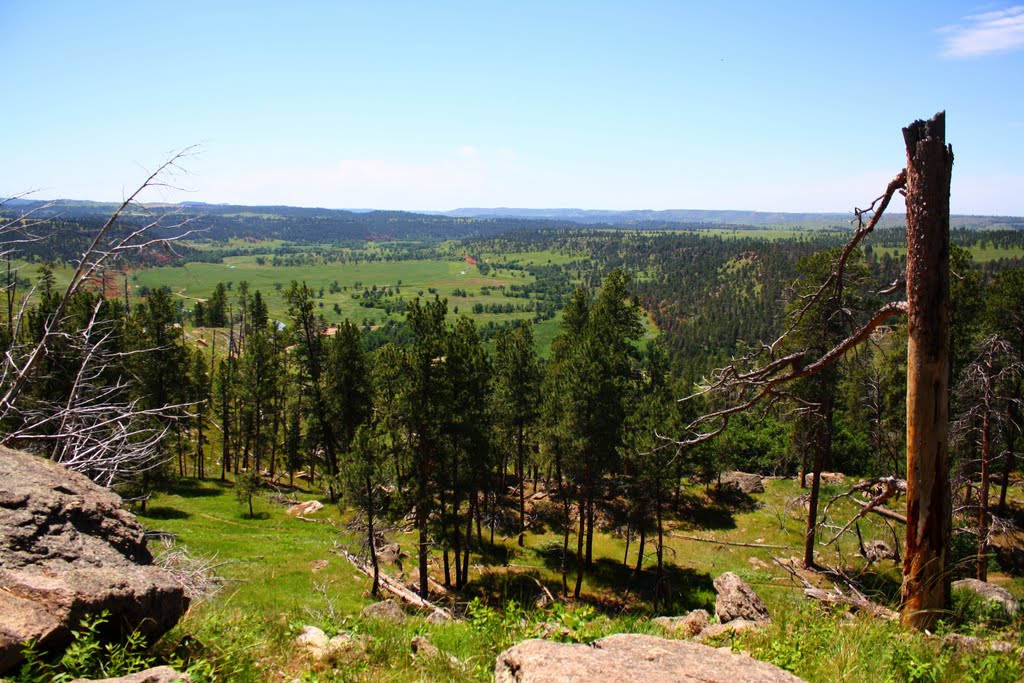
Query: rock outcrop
x,y
67,550
631,657
743,482
160,674
990,592
307,508
737,600
686,626
387,610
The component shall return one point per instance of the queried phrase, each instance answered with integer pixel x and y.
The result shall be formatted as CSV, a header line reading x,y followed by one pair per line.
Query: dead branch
x,y
395,587
888,487
836,276
765,380
94,257
852,599
732,543
884,512
196,575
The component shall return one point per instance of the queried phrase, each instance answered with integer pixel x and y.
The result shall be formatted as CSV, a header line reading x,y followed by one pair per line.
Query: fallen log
x,y
854,602
735,543
854,599
395,588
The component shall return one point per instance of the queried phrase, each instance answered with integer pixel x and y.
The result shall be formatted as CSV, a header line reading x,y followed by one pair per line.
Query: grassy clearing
x,y
981,253
282,574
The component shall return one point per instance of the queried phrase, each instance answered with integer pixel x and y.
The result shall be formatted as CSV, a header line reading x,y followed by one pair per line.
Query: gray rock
x,y
737,600
319,648
685,626
313,641
423,647
990,592
387,610
833,478
743,481
631,657
439,617
964,644
68,550
160,674
715,630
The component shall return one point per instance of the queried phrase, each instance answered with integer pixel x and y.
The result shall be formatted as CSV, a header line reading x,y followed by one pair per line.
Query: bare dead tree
x,y
98,428
761,376
106,245
981,388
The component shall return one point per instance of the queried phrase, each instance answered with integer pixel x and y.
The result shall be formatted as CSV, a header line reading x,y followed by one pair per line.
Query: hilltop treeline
x,y
422,418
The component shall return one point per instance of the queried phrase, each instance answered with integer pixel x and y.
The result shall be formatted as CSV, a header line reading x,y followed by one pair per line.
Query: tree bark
x,y
926,583
521,474
812,506
986,430
580,563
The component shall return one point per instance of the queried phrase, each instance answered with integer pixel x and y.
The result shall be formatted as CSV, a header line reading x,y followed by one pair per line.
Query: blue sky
x,y
776,106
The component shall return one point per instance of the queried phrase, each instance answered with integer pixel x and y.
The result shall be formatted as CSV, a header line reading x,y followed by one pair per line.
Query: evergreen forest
x,y
504,415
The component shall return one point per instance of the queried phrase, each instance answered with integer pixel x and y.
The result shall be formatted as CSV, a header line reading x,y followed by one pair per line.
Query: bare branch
x,y
91,260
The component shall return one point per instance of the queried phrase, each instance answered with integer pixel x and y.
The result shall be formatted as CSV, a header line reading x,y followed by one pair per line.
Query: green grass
x,y
196,281
281,573
980,253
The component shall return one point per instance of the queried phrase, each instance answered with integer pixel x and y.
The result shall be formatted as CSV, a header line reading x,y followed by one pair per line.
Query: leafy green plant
x,y
86,657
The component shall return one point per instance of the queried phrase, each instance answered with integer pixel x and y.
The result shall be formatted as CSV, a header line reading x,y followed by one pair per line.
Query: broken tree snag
x,y
926,586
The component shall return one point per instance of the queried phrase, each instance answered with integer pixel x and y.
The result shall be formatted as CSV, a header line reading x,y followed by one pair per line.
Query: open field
x,y
406,279
980,253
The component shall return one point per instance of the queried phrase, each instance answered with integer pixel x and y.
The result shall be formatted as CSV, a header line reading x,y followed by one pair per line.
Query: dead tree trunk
x,y
986,446
926,586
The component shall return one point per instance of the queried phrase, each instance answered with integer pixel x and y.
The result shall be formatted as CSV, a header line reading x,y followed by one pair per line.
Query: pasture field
x,y
411,278
981,253
448,278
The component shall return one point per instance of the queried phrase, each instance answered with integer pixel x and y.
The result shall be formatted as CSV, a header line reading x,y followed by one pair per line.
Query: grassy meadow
x,y
281,573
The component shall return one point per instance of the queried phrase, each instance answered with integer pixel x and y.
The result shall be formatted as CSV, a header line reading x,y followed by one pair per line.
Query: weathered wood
x,y
883,511
926,587
395,587
856,603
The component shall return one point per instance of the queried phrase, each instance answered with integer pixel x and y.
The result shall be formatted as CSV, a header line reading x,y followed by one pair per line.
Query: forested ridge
x,y
449,426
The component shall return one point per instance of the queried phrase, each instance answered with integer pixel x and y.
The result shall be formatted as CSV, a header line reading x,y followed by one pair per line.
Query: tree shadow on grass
x,y
193,488
717,510
689,589
493,554
164,512
498,585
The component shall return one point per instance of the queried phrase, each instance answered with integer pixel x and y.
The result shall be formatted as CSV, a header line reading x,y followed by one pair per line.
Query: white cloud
x,y
984,34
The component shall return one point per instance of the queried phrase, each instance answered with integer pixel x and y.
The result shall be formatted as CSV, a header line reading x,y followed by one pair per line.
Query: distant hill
x,y
719,217
318,225
647,215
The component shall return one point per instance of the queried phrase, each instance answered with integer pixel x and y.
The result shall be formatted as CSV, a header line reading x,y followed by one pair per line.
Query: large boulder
x,y
743,482
737,600
68,550
631,657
